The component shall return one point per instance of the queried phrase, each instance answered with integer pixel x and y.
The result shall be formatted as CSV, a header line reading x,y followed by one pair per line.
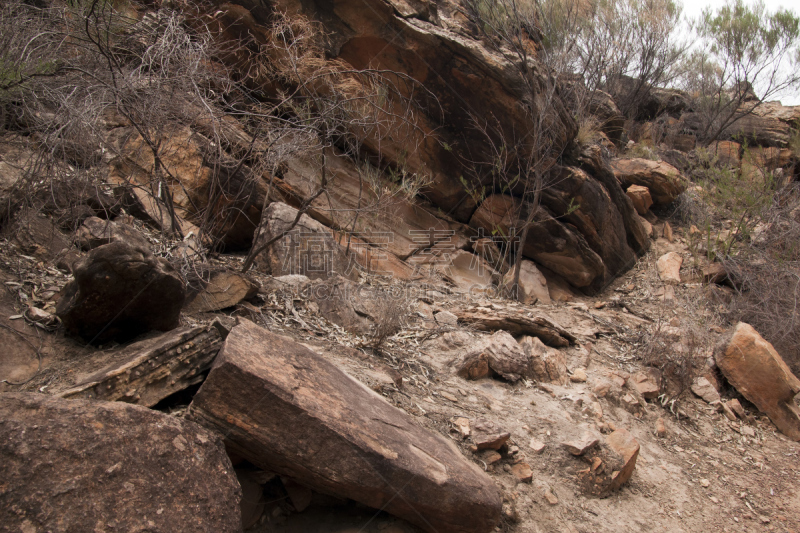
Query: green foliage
x,y
743,49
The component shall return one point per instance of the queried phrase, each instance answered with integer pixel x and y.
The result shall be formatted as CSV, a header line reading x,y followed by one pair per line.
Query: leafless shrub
x,y
391,312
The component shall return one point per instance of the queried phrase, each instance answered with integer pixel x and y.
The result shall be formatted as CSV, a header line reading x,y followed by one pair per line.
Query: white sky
x,y
693,9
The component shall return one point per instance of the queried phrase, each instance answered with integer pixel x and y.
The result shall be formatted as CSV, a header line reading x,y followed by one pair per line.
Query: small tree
x,y
748,55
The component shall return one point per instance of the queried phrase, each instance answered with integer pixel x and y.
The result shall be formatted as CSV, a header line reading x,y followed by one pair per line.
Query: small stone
x,y
537,446
669,267
747,431
763,519
601,389
579,447
462,425
550,497
675,322
667,232
647,383
705,390
447,396
661,428
513,450
714,499
446,318
488,435
523,472
737,408
728,412
579,376
491,457
596,463
705,483
599,305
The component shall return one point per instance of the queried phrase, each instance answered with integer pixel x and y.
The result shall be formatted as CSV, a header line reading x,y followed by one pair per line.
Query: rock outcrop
x,y
78,465
287,410
758,372
120,292
664,181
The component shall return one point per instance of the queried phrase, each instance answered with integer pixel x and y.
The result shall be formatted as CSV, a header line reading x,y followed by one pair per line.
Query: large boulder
x,y
580,201
758,372
308,249
120,292
287,410
594,162
664,181
549,242
79,465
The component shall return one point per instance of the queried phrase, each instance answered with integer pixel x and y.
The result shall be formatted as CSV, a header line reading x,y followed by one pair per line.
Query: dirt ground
x,y
706,474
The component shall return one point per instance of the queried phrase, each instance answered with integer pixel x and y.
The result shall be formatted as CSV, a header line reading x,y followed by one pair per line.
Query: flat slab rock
x,y
80,465
516,323
148,371
287,410
757,371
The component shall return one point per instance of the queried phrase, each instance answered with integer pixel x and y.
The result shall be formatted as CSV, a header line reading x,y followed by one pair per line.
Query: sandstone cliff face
x,y
587,232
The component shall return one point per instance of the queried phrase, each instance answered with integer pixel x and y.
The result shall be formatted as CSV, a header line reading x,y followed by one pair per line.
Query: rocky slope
x,y
368,373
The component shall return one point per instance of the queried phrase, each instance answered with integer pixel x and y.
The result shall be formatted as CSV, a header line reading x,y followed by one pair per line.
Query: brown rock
x,y
648,383
532,283
664,181
727,153
714,273
546,364
523,472
309,248
537,446
758,372
96,232
223,288
661,428
69,465
640,196
487,435
516,323
287,410
579,376
737,408
120,292
148,371
581,446
491,457
669,267
231,203
626,447
703,388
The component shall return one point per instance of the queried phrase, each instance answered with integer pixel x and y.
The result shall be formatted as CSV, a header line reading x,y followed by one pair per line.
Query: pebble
x,y
537,446
579,376
448,396
661,428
